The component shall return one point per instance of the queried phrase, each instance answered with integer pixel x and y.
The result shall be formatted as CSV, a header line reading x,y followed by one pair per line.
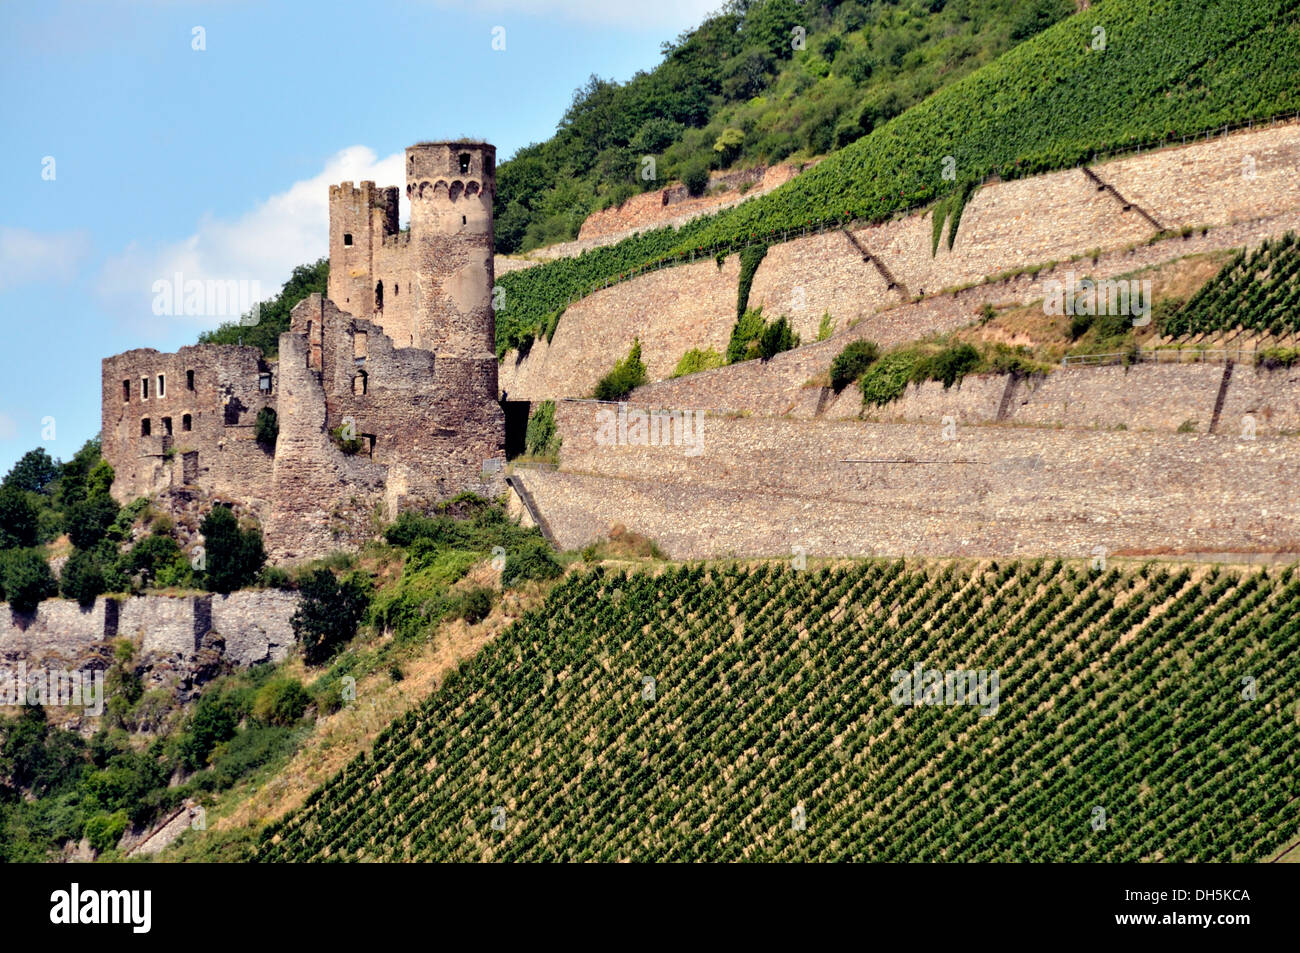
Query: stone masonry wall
x,y
212,439
1006,226
254,626
761,486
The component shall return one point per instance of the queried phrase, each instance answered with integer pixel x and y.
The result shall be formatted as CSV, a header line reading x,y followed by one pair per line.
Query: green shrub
x,y
27,579
825,327
886,380
747,330
103,831
82,577
696,179
533,559
852,362
215,719
777,336
949,365
346,439
267,427
475,604
233,556
18,519
627,375
540,438
90,520
274,577
281,701
695,360
329,612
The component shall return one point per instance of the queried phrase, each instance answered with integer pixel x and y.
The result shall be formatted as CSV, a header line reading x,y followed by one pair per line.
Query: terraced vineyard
x,y
1158,70
1259,291
1125,727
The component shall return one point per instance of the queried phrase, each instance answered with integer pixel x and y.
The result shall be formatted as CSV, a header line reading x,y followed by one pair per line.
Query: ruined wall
x,y
761,486
1005,226
253,625
212,440
426,431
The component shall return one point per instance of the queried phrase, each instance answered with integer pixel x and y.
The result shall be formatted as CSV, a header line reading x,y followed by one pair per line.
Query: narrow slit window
x,y
347,238
462,220
379,296
144,388
167,426
189,380
146,427
126,391
464,162
162,386
187,423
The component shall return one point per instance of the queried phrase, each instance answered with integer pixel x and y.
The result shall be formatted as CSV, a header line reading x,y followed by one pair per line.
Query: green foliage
x,y
329,611
267,428
103,831
777,336
627,375
26,579
215,719
1083,652
34,472
475,604
1259,291
532,559
540,437
281,701
695,360
89,521
18,518
852,362
747,330
948,365
1274,357
886,380
346,439
234,556
82,577
825,327
273,315
696,179
750,258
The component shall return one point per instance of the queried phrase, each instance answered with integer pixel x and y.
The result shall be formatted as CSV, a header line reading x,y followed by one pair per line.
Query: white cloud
x,y
674,14
31,256
263,245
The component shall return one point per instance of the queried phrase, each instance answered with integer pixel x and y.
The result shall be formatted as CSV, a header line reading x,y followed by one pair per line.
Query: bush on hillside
x,y
627,375
233,556
328,612
27,579
852,362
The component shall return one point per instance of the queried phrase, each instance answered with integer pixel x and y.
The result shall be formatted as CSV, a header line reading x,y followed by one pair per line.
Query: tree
x,y
215,719
777,337
34,472
234,556
18,518
82,577
267,428
329,612
27,580
851,362
90,519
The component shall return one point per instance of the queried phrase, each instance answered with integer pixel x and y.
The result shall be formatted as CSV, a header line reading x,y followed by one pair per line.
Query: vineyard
x,y
1259,291
726,713
1166,70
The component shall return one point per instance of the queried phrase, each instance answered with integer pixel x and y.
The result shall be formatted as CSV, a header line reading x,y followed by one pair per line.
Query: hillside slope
x,y
1162,69
728,713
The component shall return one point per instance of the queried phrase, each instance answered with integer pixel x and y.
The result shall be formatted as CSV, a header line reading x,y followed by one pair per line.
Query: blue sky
x,y
130,155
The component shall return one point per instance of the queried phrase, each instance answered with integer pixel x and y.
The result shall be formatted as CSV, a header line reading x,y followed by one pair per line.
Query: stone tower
x,y
451,185
360,220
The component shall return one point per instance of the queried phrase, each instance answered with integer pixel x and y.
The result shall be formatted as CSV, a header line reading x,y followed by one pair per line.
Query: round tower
x,y
451,186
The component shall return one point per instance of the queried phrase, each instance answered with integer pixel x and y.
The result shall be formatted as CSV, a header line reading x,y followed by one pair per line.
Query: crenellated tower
x,y
451,185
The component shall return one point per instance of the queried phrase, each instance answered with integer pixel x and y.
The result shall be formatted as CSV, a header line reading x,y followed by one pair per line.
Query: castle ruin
x,y
384,392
